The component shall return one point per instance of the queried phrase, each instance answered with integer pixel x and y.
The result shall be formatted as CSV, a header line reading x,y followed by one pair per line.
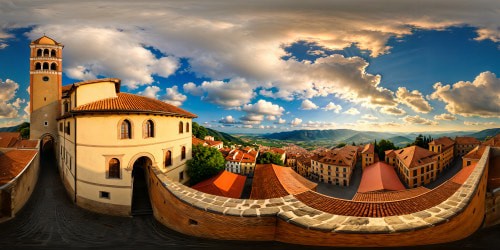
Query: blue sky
x,y
264,66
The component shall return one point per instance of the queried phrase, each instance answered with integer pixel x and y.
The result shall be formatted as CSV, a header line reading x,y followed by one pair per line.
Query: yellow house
x,y
416,166
367,155
444,147
104,139
334,166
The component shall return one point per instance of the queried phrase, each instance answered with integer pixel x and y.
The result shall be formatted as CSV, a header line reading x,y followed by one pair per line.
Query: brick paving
x,y
51,221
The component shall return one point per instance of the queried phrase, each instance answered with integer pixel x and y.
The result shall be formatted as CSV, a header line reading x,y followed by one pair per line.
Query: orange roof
x,y
13,162
368,149
9,139
45,40
66,88
27,144
390,153
466,140
224,184
414,156
130,103
197,141
494,142
379,209
379,176
445,141
476,153
213,143
344,156
463,174
390,195
272,181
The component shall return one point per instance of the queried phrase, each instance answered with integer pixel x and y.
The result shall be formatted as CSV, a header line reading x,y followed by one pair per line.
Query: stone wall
x,y
286,219
17,192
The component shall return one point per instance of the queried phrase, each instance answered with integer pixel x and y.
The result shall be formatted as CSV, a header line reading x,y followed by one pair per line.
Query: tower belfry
x,y
45,86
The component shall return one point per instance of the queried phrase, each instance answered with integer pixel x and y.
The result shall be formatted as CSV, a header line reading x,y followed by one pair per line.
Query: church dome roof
x,y
45,40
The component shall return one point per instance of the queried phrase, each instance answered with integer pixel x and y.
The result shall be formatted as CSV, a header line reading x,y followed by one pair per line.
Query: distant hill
x,y
400,141
200,132
481,135
10,129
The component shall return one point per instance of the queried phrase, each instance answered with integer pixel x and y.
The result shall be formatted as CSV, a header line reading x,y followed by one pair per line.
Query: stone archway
x,y
141,204
47,147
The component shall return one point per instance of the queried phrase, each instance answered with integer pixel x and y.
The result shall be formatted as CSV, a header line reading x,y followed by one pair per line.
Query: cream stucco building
x,y
105,139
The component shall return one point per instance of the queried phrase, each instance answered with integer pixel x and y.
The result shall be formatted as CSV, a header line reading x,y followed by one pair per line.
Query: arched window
x,y
149,129
187,127
181,128
39,52
126,128
45,65
53,66
38,66
46,52
114,168
168,158
183,153
53,53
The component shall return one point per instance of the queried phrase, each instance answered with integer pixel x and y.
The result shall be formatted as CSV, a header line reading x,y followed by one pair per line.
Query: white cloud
x,y
308,105
414,99
369,117
232,94
256,118
8,105
352,111
418,120
174,97
151,92
227,120
392,111
271,118
264,107
478,98
445,117
296,121
468,123
281,121
332,106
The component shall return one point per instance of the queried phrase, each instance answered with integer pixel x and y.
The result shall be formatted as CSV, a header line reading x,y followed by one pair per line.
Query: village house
x,y
334,166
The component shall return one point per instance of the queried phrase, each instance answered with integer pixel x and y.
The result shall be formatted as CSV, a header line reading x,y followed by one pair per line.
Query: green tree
x,y
24,129
340,145
269,157
199,131
384,145
353,143
206,162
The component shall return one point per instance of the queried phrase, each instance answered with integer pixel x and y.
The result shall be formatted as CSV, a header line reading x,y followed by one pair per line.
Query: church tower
x,y
45,87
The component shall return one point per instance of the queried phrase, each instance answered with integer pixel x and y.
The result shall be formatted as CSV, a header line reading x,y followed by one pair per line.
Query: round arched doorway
x,y
47,147
141,204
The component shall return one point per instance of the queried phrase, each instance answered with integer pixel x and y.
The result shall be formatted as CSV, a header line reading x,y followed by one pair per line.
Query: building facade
x,y
367,156
334,166
241,161
444,148
416,166
464,144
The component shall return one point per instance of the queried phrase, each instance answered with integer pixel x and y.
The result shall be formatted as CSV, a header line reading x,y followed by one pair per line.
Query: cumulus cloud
x,y
232,94
264,107
308,105
414,99
468,123
445,117
478,98
352,111
418,120
392,111
280,121
151,92
369,117
332,106
296,121
271,118
9,105
174,97
318,125
227,120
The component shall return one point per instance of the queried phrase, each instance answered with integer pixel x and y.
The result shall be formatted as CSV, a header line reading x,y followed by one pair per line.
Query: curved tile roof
x,y
130,103
379,176
390,195
45,40
224,184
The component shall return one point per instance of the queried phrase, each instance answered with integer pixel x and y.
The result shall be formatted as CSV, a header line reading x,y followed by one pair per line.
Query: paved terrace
x,y
51,221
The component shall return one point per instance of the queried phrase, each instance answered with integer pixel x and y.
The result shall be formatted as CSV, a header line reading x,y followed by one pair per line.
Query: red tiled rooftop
x,y
414,156
344,156
445,141
125,102
493,142
9,139
379,176
463,174
272,181
368,149
466,140
224,184
390,195
13,162
476,153
196,141
27,144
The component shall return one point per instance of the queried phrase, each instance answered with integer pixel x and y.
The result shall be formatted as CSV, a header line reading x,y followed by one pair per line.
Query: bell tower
x,y
45,86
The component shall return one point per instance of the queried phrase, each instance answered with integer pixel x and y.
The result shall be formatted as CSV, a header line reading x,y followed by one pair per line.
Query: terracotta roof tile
x,y
475,153
292,181
9,139
466,140
368,149
383,196
414,156
379,176
196,141
224,184
13,162
445,141
27,144
344,156
494,142
463,174
125,102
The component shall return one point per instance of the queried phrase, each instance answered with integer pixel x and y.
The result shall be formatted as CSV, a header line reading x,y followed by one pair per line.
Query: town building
x,y
378,177
390,157
304,167
473,156
367,155
224,184
105,139
277,151
334,166
241,161
464,144
208,143
444,148
416,166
